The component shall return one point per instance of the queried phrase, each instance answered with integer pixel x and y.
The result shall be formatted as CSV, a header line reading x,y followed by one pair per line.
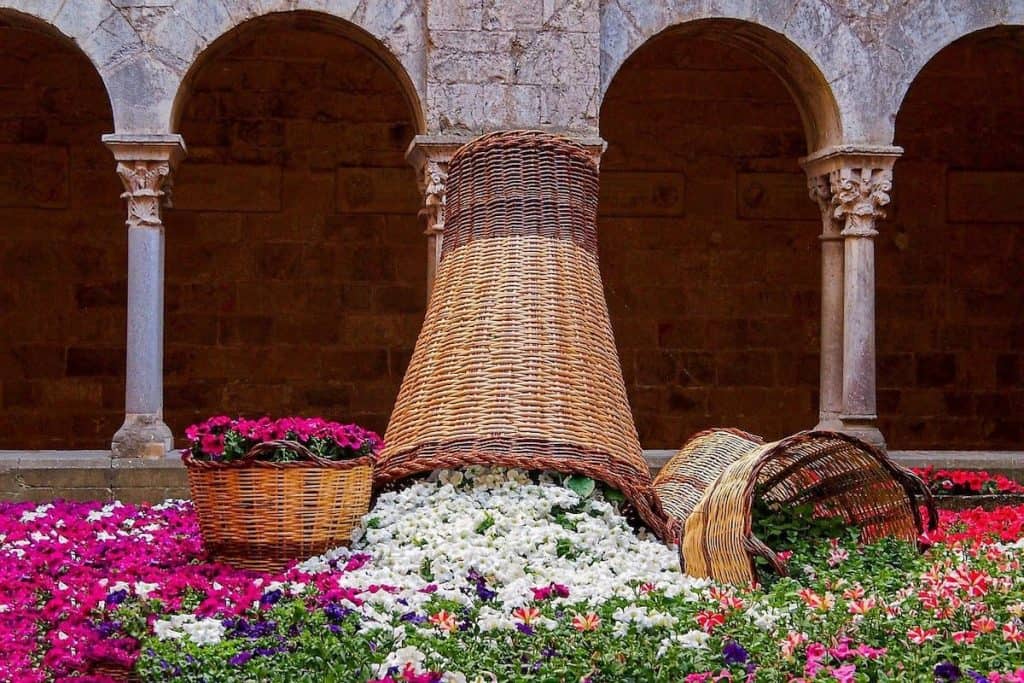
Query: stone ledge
x,y
91,475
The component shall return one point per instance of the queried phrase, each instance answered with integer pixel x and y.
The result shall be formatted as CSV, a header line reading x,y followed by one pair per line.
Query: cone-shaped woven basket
x,y
516,365
723,470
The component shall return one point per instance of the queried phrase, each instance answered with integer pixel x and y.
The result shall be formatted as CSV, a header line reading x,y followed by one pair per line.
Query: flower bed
x,y
967,482
495,576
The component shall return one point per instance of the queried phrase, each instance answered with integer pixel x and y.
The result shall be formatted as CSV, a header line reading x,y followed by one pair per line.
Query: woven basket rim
x,y
912,484
520,139
192,463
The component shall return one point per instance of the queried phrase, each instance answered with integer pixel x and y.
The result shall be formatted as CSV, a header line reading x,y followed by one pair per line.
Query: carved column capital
x,y
596,147
859,180
145,164
143,190
859,196
429,155
435,178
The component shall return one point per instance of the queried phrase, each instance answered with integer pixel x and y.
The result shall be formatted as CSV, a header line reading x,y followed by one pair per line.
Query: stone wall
x,y
296,266
709,243
296,205
62,250
951,260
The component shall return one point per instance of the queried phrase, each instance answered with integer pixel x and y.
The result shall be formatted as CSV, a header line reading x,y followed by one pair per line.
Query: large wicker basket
x,y
516,365
722,470
261,515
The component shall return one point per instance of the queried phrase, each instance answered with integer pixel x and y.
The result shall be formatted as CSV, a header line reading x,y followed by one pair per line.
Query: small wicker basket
x,y
709,489
262,515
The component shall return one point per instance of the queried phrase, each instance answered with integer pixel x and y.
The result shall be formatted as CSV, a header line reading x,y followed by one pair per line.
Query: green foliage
x,y
581,486
485,524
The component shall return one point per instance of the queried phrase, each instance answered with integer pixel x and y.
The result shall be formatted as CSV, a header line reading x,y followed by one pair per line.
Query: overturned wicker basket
x,y
708,488
516,365
261,515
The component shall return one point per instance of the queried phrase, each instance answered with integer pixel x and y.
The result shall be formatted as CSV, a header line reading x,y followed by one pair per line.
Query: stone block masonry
x,y
297,277
62,251
950,283
707,243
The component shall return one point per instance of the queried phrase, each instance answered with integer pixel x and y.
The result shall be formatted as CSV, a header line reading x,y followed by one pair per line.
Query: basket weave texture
x,y
681,483
840,475
516,365
261,515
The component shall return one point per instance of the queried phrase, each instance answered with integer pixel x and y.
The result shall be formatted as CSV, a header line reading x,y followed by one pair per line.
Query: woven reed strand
x,y
516,365
838,474
261,515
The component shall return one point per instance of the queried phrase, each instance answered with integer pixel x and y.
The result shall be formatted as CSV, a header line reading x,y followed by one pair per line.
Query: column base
x,y
865,429
829,423
142,435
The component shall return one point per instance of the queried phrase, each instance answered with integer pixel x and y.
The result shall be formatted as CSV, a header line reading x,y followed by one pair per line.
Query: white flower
x,y
199,631
143,589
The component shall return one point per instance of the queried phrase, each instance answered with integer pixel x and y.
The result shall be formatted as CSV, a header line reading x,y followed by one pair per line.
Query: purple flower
x,y
734,653
241,658
116,598
270,598
107,628
977,677
525,628
414,618
336,612
947,671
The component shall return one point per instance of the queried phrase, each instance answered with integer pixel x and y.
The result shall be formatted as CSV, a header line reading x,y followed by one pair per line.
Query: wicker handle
x,y
284,444
755,545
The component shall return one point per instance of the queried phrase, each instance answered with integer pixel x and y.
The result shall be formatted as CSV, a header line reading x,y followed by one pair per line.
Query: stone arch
x,y
708,242
956,23
296,262
374,33
62,244
793,65
950,289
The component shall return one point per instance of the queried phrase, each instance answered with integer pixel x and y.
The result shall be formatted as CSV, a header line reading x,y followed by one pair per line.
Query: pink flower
x,y
845,673
586,622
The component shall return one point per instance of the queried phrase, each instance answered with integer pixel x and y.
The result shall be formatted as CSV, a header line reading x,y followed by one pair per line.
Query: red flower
x,y
709,621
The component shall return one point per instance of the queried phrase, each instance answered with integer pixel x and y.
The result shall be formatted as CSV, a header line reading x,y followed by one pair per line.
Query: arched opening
x,y
708,238
62,246
296,263
951,259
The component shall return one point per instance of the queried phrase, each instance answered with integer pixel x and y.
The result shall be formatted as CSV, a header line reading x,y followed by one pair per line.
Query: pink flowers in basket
x,y
226,439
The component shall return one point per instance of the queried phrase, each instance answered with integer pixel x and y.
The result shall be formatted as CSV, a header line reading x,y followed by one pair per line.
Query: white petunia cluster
x,y
199,631
515,533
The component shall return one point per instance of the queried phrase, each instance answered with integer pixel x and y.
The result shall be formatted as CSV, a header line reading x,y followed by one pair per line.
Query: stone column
x,y
429,155
145,164
860,178
830,376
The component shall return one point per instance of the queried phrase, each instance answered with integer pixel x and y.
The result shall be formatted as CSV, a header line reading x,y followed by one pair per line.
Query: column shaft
x,y
144,381
830,376
859,332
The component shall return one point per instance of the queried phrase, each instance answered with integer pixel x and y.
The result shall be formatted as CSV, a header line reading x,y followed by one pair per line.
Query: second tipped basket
x,y
516,365
710,485
262,515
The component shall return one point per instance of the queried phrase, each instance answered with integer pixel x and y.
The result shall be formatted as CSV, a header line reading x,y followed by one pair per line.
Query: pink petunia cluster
x,y
223,438
66,566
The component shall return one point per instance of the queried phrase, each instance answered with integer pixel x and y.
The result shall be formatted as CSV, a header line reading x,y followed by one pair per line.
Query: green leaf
x,y
581,486
614,496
